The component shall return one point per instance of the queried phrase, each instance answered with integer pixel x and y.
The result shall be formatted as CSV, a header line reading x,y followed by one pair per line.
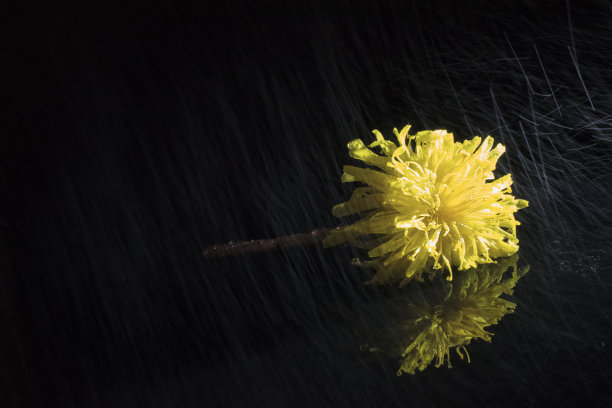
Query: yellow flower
x,y
472,304
433,202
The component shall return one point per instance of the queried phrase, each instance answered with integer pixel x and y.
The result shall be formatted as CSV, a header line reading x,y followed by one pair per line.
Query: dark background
x,y
137,136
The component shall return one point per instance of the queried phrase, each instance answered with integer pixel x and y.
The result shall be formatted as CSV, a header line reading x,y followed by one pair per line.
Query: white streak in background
x,y
570,26
519,63
580,76
535,164
552,93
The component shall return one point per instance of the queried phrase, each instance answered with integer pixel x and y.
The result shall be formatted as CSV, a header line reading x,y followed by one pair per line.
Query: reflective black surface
x,y
137,137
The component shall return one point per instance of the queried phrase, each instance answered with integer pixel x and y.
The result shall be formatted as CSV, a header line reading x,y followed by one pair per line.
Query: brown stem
x,y
260,245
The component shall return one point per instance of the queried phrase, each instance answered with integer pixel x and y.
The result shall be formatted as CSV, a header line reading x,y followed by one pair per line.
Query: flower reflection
x,y
472,304
424,324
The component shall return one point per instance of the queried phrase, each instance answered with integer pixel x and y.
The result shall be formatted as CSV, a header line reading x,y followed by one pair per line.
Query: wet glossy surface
x,y
142,137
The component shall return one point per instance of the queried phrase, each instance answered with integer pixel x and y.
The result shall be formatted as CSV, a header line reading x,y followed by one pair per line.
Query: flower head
x,y
472,304
432,202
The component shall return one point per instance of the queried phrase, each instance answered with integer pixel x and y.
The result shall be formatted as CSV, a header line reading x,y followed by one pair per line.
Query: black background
x,y
136,136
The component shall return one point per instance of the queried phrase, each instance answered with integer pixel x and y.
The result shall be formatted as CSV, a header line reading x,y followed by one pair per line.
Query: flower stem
x,y
260,245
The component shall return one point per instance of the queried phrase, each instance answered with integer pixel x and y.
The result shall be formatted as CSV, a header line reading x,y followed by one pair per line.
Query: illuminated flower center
x,y
436,202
